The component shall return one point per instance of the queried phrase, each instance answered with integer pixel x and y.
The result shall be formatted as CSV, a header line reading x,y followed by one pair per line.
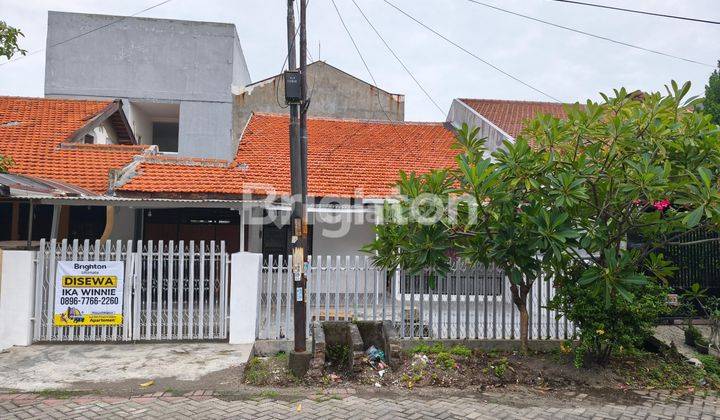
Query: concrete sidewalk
x,y
498,404
81,366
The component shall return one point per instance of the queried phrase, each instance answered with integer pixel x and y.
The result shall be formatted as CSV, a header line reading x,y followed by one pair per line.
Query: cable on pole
x,y
641,12
604,38
470,53
122,18
362,58
407,70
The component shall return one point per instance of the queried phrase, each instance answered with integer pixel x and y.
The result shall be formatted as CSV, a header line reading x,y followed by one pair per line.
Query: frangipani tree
x,y
564,198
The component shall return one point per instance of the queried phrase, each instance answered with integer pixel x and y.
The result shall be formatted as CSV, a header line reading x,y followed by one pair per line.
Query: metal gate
x,y
469,302
173,290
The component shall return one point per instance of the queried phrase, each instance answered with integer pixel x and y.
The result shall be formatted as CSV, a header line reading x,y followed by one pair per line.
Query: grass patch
x,y
499,367
339,356
61,394
271,370
647,370
271,394
428,349
445,360
460,350
174,392
711,365
257,371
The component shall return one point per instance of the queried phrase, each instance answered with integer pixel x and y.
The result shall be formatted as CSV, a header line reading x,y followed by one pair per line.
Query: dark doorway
x,y
276,241
86,222
193,224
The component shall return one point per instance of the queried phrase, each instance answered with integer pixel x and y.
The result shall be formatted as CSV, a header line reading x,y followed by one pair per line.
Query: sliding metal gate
x,y
173,290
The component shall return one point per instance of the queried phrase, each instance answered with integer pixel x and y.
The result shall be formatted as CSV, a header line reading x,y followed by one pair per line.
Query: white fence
x,y
173,291
467,303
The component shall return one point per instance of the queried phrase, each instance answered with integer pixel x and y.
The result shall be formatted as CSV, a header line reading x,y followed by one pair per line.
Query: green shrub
x,y
257,371
500,367
605,329
445,360
460,350
338,355
711,365
692,335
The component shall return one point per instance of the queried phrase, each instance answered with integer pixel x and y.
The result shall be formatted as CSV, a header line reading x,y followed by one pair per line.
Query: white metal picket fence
x,y
173,290
467,303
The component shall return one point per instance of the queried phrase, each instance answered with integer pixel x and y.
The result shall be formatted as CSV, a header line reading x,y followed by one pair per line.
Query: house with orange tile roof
x,y
353,165
175,77
498,119
210,183
187,93
77,143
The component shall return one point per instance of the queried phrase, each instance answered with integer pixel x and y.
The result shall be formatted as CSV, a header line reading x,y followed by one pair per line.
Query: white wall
x,y
17,294
350,241
139,122
206,130
460,114
104,134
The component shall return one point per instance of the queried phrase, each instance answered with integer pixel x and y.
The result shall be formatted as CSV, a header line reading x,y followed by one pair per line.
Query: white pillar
x,y
17,295
246,270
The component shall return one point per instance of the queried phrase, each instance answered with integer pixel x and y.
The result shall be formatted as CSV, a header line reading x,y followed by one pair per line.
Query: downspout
x,y
109,223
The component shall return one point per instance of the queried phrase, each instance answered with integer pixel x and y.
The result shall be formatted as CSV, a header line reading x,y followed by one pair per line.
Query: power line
x,y
88,32
372,77
347,30
455,44
398,59
567,28
642,12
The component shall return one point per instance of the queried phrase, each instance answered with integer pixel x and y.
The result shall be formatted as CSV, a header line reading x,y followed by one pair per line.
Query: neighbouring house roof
x,y
510,116
346,158
13,185
35,133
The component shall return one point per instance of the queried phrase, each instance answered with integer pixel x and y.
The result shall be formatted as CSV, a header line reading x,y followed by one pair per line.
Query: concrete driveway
x,y
69,366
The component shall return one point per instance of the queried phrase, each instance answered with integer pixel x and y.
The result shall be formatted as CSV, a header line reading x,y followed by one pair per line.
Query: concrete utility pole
x,y
299,359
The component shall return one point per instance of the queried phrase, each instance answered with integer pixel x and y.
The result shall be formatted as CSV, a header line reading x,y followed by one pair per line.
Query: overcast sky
x,y
565,65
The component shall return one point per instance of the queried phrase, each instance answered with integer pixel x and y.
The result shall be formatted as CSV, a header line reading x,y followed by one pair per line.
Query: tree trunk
x,y
519,296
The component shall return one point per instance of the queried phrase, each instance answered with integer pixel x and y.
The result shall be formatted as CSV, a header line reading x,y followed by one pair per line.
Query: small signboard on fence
x,y
89,293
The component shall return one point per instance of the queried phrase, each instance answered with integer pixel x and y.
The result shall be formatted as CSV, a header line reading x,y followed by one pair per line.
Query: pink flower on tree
x,y
662,204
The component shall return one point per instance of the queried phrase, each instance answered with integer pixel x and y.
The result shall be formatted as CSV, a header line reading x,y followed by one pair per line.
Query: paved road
x,y
348,404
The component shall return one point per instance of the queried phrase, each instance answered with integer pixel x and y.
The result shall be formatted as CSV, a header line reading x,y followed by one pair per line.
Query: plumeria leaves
x,y
693,218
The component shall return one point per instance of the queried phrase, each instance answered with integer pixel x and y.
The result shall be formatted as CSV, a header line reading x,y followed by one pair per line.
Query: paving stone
x,y
203,405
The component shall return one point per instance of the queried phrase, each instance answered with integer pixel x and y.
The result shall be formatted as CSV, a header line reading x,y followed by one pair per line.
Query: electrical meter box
x,y
292,87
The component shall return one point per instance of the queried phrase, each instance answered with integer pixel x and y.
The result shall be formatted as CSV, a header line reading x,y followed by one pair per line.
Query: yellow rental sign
x,y
89,281
89,293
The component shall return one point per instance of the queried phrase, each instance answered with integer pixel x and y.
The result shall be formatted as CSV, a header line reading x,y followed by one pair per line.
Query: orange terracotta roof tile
x,y
346,158
510,116
32,132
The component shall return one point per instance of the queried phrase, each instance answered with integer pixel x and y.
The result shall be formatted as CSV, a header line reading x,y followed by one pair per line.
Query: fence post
x,y
246,272
17,298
